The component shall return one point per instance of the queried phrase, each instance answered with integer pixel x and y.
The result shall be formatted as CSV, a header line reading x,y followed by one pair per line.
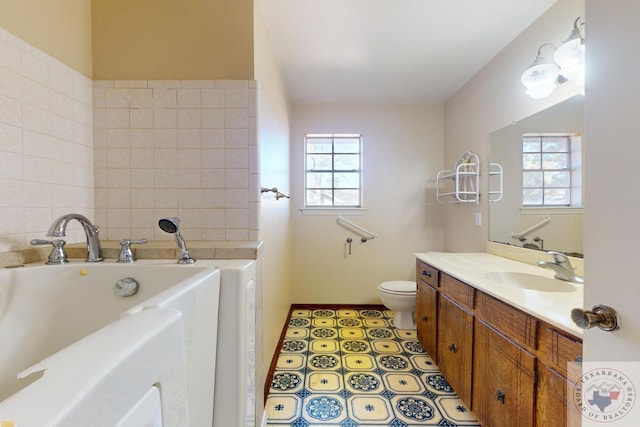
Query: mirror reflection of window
x,y
547,170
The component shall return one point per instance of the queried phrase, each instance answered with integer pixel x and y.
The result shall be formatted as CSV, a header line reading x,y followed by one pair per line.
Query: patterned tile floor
x,y
353,368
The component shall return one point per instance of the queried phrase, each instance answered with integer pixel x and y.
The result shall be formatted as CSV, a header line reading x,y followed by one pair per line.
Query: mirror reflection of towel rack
x,y
279,195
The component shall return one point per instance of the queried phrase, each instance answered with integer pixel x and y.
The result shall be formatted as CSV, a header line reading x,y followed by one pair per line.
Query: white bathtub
x,y
104,355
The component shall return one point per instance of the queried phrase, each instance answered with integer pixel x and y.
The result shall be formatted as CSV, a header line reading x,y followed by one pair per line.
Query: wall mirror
x,y
541,199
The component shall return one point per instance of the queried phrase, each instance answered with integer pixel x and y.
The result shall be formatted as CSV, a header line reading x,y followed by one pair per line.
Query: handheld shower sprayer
x,y
171,225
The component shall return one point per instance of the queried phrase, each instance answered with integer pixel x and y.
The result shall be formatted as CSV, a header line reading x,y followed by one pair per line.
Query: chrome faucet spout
x,y
94,249
561,265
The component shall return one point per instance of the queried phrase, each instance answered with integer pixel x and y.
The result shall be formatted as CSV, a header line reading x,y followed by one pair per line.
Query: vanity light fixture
x,y
570,55
543,75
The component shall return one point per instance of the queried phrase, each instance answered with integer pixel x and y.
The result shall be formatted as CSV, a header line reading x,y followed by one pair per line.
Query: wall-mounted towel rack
x,y
545,219
462,183
495,170
279,195
364,233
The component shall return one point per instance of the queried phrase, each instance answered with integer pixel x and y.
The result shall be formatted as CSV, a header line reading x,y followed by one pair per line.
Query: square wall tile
x,y
175,148
117,97
188,98
141,98
189,138
212,98
141,118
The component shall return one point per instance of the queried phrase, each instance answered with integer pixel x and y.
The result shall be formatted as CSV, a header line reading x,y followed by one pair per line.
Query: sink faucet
x,y
562,267
59,227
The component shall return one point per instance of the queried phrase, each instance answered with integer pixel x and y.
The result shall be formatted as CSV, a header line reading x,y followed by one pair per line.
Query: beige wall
x,y
492,99
165,39
402,150
275,229
60,28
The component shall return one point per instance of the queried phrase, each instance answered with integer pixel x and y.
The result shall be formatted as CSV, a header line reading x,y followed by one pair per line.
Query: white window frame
x,y
573,168
334,209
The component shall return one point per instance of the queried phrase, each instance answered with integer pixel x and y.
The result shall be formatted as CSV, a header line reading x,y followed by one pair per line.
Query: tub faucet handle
x,y
58,255
126,254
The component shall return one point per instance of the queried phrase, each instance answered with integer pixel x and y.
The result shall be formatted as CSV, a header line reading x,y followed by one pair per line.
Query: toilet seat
x,y
399,287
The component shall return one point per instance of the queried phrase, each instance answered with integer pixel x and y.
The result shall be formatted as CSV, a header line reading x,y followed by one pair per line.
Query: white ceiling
x,y
399,51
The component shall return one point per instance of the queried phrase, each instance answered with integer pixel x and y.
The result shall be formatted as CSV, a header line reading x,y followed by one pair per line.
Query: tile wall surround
x,y
46,143
185,148
123,153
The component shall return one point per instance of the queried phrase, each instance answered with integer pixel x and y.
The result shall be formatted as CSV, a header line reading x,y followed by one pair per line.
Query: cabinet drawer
x,y
558,349
456,290
427,273
513,323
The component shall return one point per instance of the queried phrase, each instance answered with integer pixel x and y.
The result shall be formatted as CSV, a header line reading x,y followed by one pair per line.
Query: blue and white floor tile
x,y
353,368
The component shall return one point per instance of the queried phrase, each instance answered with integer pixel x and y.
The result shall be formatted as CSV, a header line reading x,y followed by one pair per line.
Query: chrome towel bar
x,y
364,233
279,195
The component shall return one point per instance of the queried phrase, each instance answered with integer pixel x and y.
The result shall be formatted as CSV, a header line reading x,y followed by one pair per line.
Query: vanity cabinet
x,y
427,308
504,364
504,378
426,318
508,366
558,372
455,346
551,398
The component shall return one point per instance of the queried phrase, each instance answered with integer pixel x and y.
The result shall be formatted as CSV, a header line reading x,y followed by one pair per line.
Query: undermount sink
x,y
530,281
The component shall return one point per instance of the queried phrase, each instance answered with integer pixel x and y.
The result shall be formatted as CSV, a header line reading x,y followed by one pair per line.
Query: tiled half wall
x,y
176,148
46,156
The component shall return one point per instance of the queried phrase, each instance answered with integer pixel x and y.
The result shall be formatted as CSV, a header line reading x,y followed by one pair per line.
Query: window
x,y
546,170
333,171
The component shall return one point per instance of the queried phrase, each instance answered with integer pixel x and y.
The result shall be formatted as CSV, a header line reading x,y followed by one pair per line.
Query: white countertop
x,y
473,268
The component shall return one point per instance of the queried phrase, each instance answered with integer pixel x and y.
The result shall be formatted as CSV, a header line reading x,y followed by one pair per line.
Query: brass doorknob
x,y
601,316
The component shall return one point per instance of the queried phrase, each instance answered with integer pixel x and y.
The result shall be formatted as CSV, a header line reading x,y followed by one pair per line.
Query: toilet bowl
x,y
400,296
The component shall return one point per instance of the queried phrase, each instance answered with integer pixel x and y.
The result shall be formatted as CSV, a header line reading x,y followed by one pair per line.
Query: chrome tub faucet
x,y
94,249
562,267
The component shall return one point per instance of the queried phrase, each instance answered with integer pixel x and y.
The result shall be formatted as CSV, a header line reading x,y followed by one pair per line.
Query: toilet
x,y
400,296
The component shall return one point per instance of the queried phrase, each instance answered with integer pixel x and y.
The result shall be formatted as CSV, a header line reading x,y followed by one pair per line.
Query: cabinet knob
x,y
426,273
425,318
453,348
500,396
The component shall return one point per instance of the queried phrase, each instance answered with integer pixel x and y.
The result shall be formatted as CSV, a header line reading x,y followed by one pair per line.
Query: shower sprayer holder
x,y
171,225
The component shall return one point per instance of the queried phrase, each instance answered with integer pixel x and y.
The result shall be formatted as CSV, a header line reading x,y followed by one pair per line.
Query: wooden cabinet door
x,y
426,318
503,380
455,346
554,404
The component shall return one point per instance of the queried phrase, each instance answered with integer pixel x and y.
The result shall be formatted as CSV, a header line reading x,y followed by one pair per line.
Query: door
x,y
612,203
612,165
